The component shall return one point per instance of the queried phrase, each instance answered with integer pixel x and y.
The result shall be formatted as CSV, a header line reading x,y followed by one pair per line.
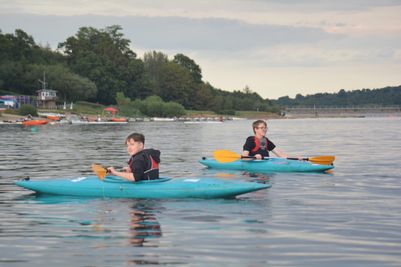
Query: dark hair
x,y
256,124
137,137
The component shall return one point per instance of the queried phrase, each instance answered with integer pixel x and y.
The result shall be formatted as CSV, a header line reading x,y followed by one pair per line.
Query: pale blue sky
x,y
277,48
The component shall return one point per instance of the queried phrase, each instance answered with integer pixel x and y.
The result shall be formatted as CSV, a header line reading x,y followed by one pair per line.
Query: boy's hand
x,y
111,170
258,156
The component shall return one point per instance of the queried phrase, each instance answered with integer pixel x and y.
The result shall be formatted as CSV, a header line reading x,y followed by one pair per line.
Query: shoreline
x,y
6,117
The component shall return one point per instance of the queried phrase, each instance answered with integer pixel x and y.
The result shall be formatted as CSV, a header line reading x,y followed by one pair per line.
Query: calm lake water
x,y
351,217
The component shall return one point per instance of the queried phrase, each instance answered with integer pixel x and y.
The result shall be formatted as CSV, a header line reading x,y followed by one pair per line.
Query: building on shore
x,y
46,98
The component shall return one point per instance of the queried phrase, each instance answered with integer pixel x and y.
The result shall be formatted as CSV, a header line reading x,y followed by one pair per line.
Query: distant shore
x,y
250,115
342,112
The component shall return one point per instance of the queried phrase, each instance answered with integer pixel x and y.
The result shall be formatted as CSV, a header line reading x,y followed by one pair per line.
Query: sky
x,y
275,47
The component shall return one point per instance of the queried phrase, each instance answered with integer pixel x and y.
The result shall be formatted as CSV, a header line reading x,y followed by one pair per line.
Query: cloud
x,y
170,33
276,47
183,7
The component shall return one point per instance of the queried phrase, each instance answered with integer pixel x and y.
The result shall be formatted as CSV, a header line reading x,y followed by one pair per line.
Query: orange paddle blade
x,y
99,170
324,160
224,156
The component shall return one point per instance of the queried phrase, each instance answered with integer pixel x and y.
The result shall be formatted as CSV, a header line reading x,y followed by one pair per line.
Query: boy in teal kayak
x,y
258,146
143,164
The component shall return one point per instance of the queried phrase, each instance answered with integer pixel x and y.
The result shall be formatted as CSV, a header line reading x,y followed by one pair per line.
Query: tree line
x,y
97,65
388,96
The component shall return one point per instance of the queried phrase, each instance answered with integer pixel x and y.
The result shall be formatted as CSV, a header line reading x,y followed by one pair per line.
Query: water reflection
x,y
348,218
263,178
34,198
143,223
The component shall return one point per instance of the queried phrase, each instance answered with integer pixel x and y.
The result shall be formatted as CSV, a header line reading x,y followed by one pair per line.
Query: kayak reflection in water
x,y
143,225
262,178
143,164
258,146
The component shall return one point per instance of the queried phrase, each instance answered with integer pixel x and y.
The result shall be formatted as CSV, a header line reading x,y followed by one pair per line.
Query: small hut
x,y
46,98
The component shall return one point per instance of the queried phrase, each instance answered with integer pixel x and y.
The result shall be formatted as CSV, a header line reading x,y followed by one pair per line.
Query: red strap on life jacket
x,y
154,168
154,164
257,144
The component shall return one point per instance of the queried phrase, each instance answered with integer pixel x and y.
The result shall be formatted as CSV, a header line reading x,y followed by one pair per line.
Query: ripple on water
x,y
348,218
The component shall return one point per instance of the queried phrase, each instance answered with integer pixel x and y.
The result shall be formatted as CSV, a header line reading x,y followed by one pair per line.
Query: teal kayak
x,y
115,187
267,165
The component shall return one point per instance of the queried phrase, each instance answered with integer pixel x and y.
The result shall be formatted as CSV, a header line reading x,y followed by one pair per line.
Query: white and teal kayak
x,y
115,187
267,165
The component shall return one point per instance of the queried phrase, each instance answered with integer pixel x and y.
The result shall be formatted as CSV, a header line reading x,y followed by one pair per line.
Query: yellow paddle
x,y
100,171
225,156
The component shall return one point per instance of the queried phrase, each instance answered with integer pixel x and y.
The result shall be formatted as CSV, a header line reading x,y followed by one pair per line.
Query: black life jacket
x,y
152,160
152,172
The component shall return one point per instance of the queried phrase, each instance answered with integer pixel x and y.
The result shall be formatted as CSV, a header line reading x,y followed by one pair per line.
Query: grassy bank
x,y
88,108
94,109
241,114
257,115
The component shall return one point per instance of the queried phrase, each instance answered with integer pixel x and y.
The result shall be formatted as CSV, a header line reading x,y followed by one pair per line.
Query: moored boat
x,y
163,119
115,187
54,118
197,122
35,122
119,119
267,165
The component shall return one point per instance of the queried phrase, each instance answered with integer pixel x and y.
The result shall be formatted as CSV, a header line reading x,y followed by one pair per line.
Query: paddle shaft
x,y
267,158
225,156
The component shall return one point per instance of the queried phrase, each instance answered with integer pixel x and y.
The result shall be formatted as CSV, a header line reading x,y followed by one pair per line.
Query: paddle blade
x,y
224,156
99,170
324,160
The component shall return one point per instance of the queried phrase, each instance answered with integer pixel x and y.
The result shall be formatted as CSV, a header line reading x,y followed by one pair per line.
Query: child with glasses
x,y
258,146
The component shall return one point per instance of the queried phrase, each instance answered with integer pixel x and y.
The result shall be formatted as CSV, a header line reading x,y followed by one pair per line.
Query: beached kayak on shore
x,y
267,165
34,122
115,187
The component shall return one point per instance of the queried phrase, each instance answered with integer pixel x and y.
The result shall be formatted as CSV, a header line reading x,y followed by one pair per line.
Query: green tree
x,y
154,63
22,63
190,65
27,110
154,106
247,90
70,86
176,84
364,97
122,100
21,47
173,109
17,47
203,98
104,57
